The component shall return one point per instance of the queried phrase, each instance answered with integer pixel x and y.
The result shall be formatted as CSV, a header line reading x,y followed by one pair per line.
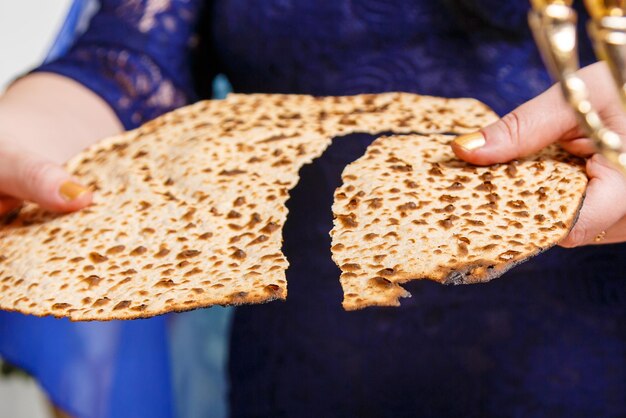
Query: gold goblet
x,y
553,23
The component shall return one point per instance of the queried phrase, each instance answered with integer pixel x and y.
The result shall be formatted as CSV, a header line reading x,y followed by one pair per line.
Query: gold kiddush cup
x,y
553,23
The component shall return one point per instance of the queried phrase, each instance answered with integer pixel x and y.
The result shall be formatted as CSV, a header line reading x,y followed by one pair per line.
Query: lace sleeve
x,y
136,55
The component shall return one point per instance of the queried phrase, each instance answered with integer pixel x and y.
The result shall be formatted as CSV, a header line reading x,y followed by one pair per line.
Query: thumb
x,y
26,176
529,128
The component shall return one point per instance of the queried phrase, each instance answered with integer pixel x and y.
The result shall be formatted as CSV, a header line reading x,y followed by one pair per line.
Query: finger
x,y
7,204
582,147
529,128
604,205
539,122
25,176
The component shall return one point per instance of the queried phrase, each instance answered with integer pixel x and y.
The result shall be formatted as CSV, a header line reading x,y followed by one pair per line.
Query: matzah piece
x,y
188,213
409,209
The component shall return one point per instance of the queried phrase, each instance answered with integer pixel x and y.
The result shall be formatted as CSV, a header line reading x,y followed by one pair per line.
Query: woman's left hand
x,y
547,119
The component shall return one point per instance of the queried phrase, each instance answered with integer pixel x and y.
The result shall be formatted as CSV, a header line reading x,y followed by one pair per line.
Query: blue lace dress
x,y
548,339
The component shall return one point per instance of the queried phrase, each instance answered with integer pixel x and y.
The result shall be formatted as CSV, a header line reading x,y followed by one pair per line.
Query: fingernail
x,y
72,191
470,142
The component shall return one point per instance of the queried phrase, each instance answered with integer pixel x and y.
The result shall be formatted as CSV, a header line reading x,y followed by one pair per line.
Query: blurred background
x,y
27,30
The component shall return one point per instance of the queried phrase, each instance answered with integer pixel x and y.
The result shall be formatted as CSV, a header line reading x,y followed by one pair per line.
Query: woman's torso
x,y
546,339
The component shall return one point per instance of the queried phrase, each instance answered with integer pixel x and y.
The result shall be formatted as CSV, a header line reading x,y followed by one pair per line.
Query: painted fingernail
x,y
72,191
470,142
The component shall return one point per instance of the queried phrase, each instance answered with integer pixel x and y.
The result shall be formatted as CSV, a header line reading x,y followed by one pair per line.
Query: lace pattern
x,y
136,55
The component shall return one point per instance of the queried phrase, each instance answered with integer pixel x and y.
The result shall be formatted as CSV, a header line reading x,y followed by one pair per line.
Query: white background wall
x,y
27,29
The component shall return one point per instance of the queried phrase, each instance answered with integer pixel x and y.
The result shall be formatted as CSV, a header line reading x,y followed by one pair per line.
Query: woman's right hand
x,y
25,176
548,119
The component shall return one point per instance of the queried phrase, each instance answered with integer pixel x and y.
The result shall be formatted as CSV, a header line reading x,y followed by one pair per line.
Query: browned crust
x,y
499,268
232,300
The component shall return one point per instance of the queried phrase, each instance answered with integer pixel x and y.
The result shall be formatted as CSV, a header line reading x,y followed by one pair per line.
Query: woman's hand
x,y
25,176
547,119
44,120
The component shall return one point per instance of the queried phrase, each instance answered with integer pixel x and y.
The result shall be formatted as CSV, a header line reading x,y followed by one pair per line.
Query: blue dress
x,y
548,339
